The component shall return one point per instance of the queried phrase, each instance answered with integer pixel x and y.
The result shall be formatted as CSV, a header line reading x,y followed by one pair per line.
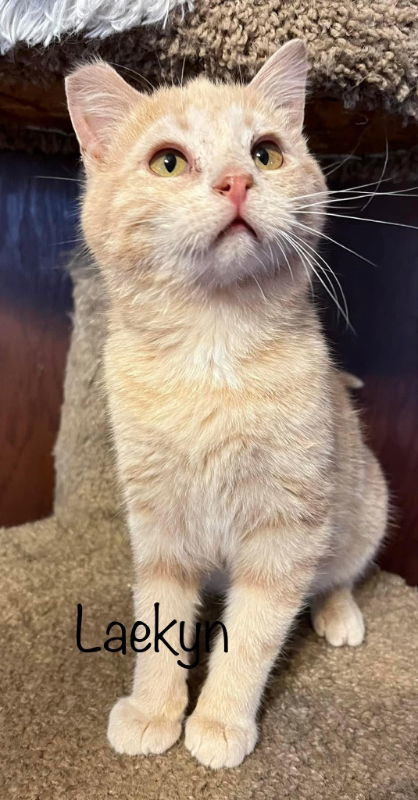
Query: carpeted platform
x,y
336,723
363,50
363,87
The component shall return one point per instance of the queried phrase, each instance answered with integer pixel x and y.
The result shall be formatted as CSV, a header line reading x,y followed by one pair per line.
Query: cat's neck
x,y
210,336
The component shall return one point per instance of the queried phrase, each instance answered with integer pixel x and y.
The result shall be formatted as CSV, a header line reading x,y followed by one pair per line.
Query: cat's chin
x,y
234,274
233,257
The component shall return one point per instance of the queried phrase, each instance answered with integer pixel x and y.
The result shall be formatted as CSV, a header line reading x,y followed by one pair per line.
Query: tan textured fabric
x,y
336,723
360,49
85,482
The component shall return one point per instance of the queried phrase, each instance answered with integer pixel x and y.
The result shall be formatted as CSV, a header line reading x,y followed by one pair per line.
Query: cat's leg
x,y
334,612
150,719
337,617
267,591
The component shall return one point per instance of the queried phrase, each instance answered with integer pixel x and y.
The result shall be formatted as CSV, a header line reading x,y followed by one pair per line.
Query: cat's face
x,y
199,184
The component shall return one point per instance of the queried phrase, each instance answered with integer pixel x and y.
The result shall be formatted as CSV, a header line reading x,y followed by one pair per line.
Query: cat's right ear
x,y
282,80
98,100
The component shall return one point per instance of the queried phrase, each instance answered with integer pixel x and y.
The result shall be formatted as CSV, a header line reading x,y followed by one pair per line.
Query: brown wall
x,y
35,300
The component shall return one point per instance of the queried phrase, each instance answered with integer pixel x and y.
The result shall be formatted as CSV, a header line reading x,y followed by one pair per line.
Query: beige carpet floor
x,y
336,723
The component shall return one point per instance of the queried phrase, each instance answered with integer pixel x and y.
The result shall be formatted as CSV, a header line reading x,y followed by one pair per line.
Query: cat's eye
x,y
267,155
168,163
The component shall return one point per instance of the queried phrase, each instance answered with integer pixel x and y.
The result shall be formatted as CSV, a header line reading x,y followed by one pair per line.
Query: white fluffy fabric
x,y
42,21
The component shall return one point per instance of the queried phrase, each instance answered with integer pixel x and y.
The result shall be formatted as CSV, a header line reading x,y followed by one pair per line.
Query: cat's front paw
x,y
131,732
216,744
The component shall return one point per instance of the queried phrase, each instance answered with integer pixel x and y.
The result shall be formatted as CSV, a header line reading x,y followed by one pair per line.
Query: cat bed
x,y
364,78
336,723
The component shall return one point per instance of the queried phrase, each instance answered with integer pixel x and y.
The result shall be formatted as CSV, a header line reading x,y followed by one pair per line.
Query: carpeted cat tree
x,y
337,723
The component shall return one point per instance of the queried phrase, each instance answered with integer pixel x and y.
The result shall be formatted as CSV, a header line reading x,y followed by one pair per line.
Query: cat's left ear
x,y
282,80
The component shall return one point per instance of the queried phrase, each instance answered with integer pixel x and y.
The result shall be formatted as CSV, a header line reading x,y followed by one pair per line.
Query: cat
x,y
237,443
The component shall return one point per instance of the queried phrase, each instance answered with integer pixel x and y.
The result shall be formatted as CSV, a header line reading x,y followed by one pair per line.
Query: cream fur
x,y
237,442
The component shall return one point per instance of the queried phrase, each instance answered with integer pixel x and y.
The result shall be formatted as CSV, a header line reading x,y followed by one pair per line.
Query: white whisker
x,y
351,189
335,241
350,198
329,288
134,72
381,177
58,178
317,256
338,164
308,274
283,251
261,291
364,219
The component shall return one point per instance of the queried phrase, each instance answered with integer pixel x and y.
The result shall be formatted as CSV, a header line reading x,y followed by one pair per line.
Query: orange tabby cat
x,y
236,440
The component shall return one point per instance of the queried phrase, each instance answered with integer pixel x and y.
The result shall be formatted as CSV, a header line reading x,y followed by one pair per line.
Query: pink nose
x,y
234,186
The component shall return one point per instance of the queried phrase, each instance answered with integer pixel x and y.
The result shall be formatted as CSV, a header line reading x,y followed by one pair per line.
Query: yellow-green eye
x,y
168,163
267,155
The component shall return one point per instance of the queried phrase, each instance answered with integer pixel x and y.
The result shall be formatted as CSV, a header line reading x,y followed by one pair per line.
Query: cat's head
x,y
201,183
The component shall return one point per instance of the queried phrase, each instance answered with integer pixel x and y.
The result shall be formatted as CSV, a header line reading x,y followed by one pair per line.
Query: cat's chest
x,y
209,437
213,470
199,447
